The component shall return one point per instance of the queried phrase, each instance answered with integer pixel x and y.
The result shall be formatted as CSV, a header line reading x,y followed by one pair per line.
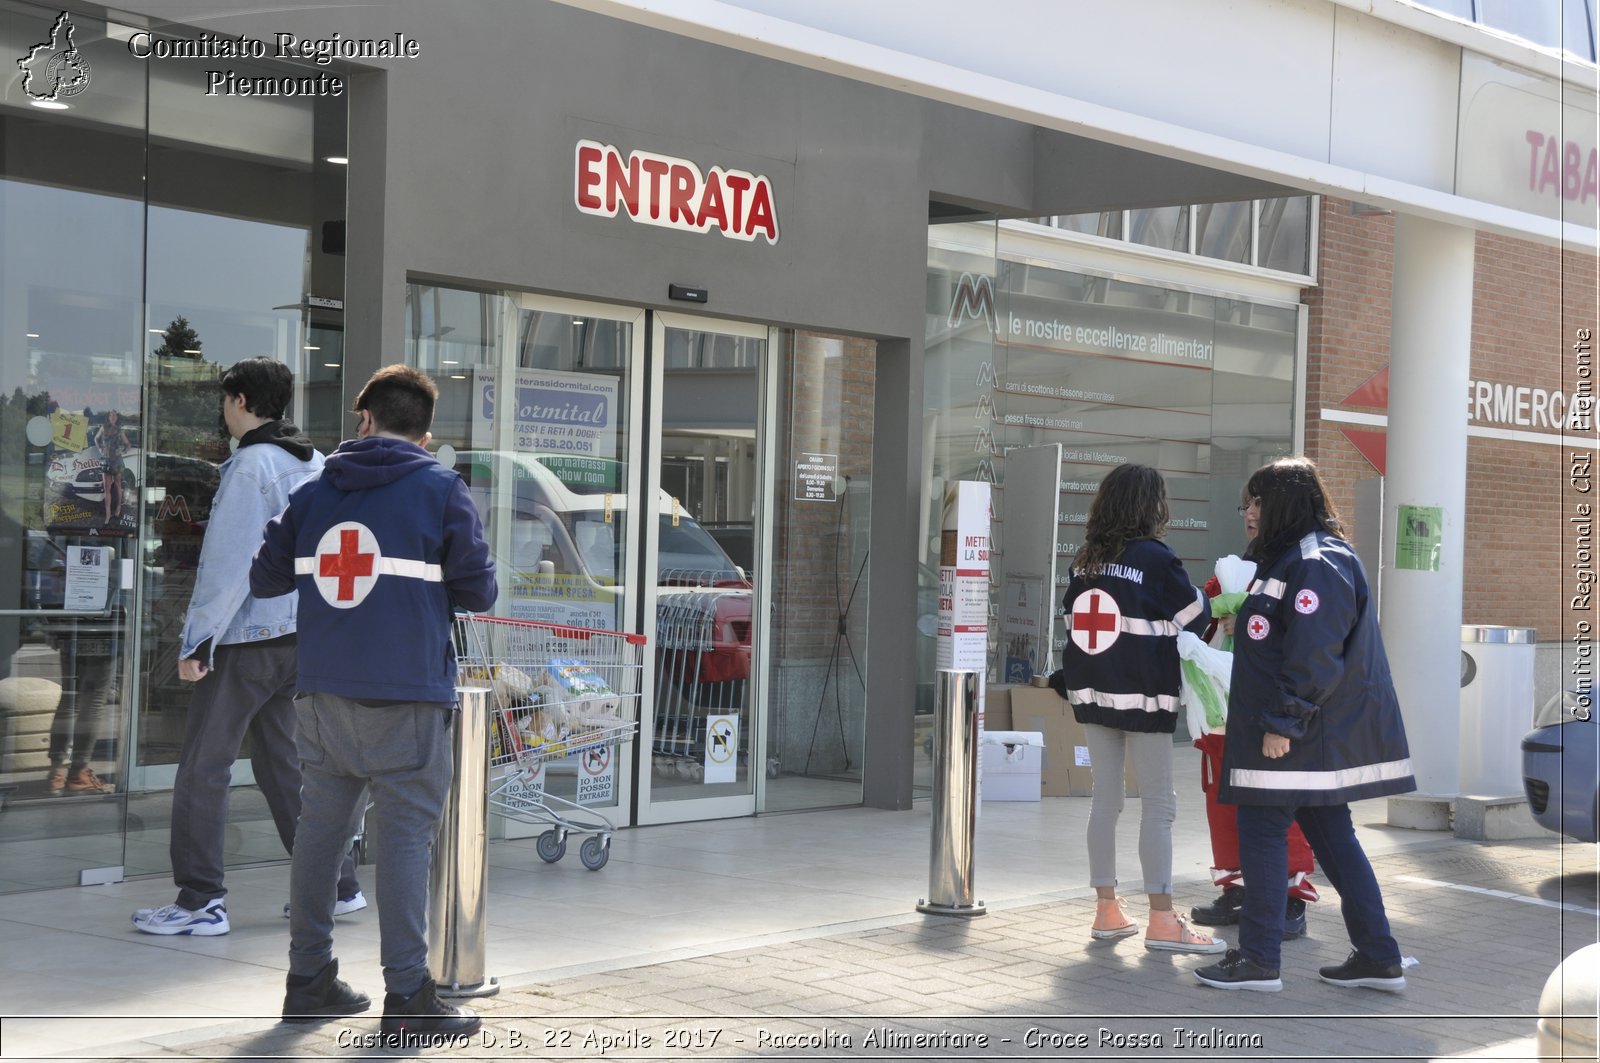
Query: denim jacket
x,y
254,488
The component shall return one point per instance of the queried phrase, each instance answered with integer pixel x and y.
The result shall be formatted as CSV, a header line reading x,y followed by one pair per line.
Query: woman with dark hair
x,y
1128,599
1313,724
1223,820
112,442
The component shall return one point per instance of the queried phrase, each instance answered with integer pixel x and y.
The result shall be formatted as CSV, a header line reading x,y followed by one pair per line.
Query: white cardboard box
x,y
1011,770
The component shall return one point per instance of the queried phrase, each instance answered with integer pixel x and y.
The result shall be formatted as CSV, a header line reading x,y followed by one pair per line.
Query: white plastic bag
x,y
1234,573
1207,673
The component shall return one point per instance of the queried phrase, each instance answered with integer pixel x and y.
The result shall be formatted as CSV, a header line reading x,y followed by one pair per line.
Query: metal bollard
x,y
459,884
955,797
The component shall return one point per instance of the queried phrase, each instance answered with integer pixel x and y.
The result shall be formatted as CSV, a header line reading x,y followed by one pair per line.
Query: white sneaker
x,y
209,921
343,906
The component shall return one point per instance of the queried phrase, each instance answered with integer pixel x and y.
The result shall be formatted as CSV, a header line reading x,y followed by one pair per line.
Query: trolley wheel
x,y
595,851
552,845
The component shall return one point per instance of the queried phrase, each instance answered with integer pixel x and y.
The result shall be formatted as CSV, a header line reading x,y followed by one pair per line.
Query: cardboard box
x,y
1066,770
1011,772
997,707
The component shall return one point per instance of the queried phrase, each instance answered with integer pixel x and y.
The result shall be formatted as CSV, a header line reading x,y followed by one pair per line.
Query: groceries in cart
x,y
556,691
561,710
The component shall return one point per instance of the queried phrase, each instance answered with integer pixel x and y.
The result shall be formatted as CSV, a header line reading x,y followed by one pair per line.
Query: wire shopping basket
x,y
558,693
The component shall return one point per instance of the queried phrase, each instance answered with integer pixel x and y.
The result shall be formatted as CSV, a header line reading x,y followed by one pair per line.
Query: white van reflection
x,y
556,526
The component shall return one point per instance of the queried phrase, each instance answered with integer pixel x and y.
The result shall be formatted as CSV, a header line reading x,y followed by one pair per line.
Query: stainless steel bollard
x,y
459,885
955,797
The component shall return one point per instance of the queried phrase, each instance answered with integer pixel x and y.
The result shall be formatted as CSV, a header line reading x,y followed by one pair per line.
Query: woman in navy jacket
x,y
1313,724
1128,599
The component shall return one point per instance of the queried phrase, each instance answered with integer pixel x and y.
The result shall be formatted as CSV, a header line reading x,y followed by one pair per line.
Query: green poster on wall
x,y
1416,537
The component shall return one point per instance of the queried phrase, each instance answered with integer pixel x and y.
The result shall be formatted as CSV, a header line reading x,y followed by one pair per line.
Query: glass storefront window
x,y
153,237
71,436
1285,240
816,687
1538,21
1107,224
1222,230
1163,227
1022,354
535,413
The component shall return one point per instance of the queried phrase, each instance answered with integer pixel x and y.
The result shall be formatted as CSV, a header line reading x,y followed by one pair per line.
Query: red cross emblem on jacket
x,y
1096,621
347,564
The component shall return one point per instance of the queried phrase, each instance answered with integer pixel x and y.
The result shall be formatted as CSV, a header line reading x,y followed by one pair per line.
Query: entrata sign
x,y
673,193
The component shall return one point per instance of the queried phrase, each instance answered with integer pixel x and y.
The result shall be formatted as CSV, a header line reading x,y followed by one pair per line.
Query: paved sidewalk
x,y
1486,922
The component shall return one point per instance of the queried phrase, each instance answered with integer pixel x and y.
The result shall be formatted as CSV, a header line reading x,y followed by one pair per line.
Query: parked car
x,y
1561,765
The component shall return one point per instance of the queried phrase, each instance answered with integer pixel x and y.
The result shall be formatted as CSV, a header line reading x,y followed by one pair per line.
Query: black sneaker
x,y
323,997
1237,972
1294,919
1358,972
1224,912
423,1016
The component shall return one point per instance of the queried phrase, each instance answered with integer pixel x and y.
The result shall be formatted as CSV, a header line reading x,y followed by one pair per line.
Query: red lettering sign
x,y
674,193
1560,168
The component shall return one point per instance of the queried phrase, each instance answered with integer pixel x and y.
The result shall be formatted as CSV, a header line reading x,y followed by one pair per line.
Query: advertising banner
x,y
963,638
569,419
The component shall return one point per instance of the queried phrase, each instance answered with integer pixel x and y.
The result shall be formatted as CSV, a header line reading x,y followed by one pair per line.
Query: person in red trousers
x,y
1223,819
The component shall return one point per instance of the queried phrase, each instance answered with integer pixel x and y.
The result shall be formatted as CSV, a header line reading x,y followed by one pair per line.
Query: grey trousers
x,y
1158,804
400,755
248,691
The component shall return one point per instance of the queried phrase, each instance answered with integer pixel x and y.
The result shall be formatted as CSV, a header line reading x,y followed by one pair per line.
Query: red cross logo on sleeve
x,y
1306,602
347,564
1257,627
1096,621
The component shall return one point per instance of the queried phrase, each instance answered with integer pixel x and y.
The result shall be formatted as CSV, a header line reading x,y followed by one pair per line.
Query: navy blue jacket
x,y
1309,664
1121,656
381,545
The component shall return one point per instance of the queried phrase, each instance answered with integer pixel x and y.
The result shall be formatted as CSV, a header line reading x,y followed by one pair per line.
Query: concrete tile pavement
x,y
865,975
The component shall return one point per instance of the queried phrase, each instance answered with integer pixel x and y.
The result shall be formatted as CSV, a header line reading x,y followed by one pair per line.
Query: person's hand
x,y
192,670
1274,746
1227,626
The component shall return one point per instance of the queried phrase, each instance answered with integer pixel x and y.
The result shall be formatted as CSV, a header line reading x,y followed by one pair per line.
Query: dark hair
x,y
400,399
266,385
1294,503
1131,504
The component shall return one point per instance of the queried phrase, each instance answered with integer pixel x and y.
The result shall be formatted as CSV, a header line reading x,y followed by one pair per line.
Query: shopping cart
x,y
557,692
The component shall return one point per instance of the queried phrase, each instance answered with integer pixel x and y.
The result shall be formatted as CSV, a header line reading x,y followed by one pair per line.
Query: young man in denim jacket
x,y
239,651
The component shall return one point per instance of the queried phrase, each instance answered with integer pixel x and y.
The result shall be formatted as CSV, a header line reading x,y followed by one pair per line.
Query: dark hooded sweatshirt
x,y
382,546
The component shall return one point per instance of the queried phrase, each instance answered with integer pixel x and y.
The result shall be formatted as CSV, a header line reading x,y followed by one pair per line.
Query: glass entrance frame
x,y
707,616
538,401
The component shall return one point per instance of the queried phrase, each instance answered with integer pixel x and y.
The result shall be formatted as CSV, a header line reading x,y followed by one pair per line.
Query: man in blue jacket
x,y
239,651
382,545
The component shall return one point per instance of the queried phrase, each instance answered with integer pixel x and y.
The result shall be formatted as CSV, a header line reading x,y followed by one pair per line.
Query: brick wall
x,y
1529,300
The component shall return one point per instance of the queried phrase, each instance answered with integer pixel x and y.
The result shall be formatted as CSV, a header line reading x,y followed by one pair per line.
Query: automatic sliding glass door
x,y
704,735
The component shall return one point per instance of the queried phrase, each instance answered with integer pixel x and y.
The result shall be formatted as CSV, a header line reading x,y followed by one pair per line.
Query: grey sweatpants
x,y
248,691
1158,804
400,755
